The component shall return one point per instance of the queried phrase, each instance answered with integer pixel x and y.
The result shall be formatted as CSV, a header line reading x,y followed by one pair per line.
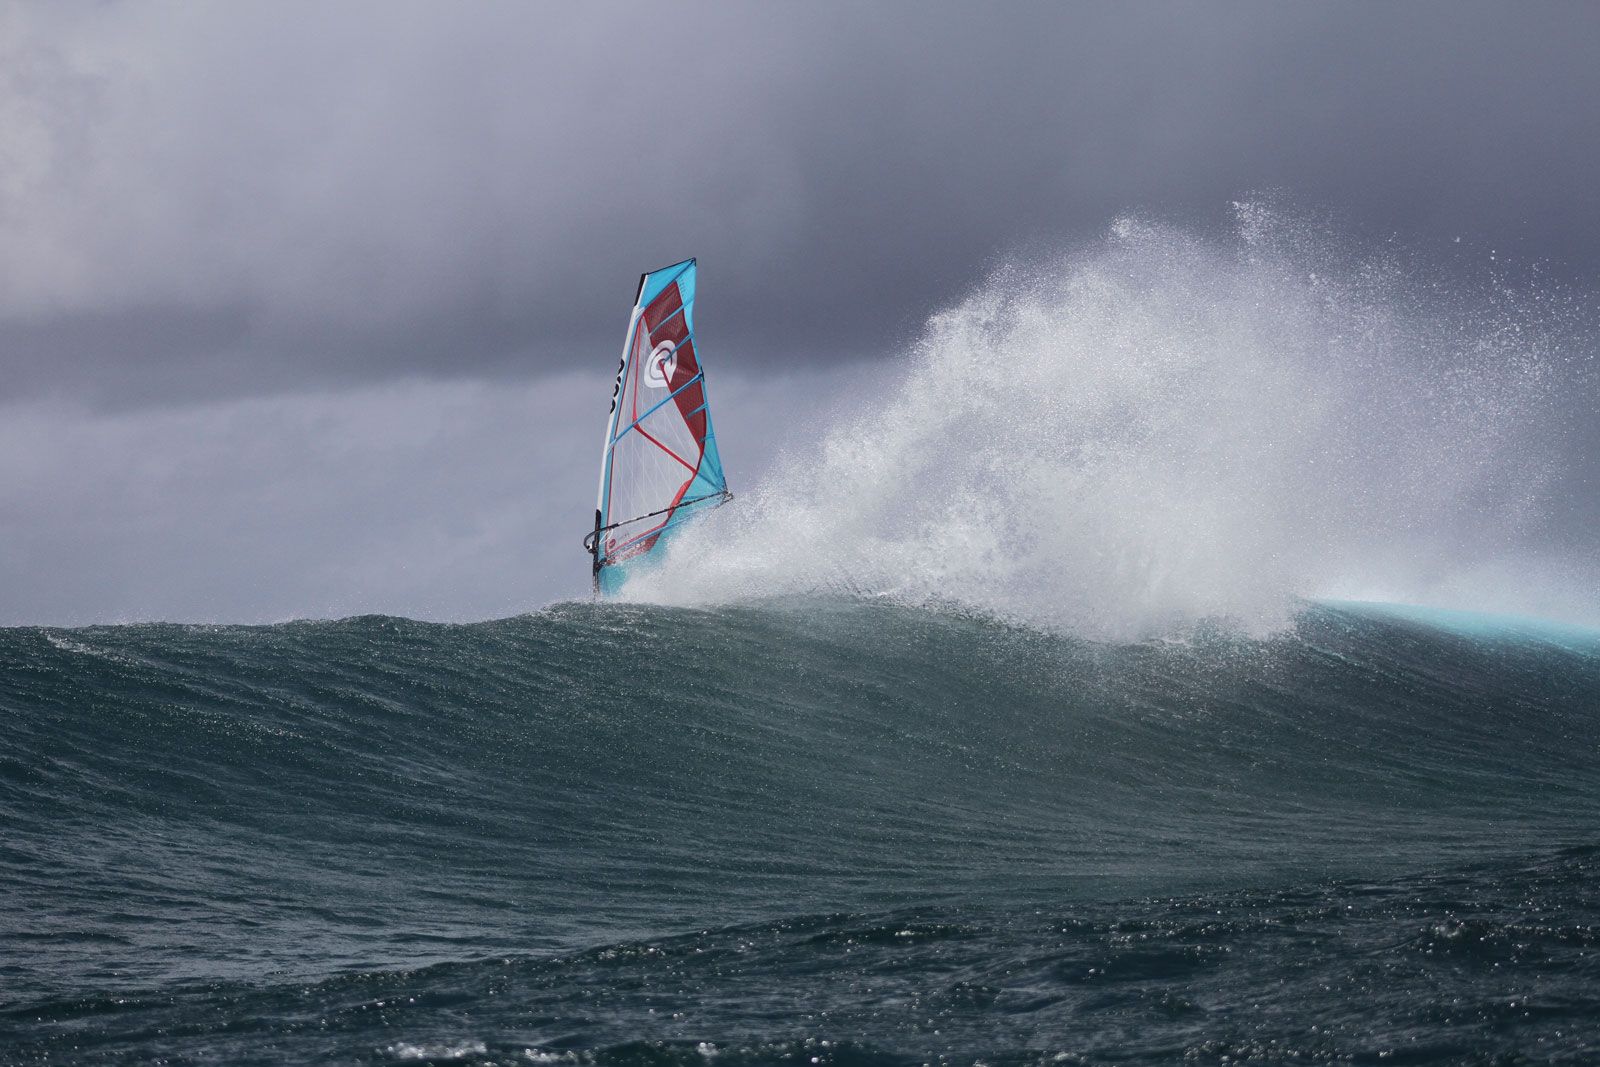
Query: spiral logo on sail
x,y
661,364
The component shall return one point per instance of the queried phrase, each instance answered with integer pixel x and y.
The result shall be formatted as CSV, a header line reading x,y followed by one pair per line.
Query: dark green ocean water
x,y
820,832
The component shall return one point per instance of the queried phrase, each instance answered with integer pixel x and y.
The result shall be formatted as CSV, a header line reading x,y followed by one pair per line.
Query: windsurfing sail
x,y
660,467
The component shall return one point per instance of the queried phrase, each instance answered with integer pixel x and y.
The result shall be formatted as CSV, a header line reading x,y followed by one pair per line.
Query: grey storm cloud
x,y
314,308
221,200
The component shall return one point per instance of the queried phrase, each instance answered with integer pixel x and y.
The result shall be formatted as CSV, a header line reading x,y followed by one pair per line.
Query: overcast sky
x,y
254,256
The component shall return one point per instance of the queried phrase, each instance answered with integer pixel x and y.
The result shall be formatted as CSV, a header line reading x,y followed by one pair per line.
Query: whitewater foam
x,y
1162,429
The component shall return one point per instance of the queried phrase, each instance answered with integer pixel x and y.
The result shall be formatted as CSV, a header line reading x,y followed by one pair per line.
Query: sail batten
x,y
660,466
659,403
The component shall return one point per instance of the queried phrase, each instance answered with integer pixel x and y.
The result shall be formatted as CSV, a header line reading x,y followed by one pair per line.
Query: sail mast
x,y
600,518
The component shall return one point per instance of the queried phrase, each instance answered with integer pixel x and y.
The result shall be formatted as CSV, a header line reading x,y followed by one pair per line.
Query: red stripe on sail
x,y
667,303
640,430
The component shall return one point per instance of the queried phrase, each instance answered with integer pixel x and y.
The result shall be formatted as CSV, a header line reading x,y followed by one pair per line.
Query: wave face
x,y
812,830
1169,427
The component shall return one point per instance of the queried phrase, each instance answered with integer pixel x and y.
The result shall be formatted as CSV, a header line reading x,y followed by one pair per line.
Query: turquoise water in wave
x,y
807,832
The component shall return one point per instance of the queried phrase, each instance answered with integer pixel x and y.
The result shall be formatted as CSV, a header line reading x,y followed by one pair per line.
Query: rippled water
x,y
825,831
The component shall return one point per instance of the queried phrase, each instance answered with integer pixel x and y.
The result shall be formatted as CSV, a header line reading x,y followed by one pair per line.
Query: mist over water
x,y
1170,427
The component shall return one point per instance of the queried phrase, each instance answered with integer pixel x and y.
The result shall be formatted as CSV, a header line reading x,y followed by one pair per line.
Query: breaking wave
x,y
1168,428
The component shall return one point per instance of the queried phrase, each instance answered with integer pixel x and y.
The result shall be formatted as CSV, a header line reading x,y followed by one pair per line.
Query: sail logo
x,y
661,365
616,390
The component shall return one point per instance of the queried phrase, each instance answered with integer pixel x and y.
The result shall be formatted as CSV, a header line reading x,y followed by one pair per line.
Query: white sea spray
x,y
1167,428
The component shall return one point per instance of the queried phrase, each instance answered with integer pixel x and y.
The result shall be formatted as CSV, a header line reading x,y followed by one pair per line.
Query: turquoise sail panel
x,y
660,467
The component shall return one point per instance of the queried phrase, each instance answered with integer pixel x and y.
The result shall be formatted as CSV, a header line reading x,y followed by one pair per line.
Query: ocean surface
x,y
809,831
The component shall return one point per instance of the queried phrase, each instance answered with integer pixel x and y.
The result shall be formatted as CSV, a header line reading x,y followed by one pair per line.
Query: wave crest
x,y
1163,429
